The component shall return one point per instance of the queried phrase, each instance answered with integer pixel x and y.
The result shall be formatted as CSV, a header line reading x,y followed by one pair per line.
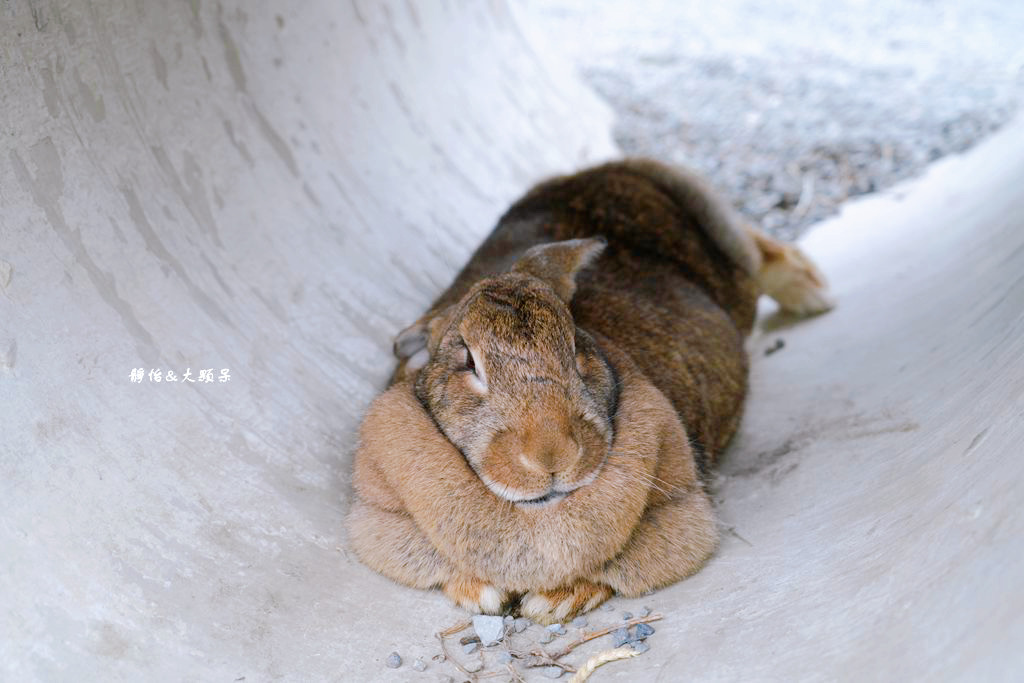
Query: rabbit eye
x,y
475,374
468,361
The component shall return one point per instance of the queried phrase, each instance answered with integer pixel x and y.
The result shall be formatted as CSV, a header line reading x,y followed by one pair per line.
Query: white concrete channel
x,y
275,189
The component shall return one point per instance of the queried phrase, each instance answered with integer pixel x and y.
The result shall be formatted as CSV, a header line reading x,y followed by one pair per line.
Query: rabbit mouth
x,y
521,498
549,498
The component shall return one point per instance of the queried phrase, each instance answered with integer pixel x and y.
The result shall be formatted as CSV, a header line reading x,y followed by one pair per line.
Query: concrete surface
x,y
276,190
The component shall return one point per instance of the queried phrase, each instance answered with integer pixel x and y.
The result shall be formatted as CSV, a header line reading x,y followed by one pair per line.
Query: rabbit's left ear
x,y
558,263
415,343
411,346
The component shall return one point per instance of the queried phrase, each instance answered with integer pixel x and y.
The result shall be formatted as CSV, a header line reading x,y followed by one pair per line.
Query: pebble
x,y
547,637
645,612
473,666
644,630
470,648
640,646
620,636
509,620
608,607
490,629
557,629
393,661
419,664
579,622
504,657
626,616
521,624
552,671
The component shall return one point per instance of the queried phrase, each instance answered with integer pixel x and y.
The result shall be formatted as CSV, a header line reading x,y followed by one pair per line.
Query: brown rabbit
x,y
553,414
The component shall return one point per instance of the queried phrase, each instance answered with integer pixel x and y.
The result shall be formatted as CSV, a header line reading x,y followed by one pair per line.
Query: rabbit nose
x,y
553,455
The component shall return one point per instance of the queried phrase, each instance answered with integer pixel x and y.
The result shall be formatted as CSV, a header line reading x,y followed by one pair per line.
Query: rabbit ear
x,y
413,344
410,342
558,262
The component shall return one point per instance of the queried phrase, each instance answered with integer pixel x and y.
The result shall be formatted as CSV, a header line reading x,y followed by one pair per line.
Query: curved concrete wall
x,y
269,188
277,189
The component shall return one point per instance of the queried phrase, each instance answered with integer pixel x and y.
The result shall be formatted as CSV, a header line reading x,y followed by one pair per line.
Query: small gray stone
x,y
419,664
521,624
552,671
470,648
547,637
644,630
509,620
645,612
393,661
620,636
504,657
579,622
557,629
490,629
473,666
608,607
640,646
626,616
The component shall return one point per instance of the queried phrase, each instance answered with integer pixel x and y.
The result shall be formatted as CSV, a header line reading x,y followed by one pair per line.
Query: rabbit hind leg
x,y
789,276
392,544
672,541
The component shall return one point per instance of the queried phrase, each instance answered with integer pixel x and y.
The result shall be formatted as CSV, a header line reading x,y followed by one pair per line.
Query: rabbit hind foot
x,y
788,275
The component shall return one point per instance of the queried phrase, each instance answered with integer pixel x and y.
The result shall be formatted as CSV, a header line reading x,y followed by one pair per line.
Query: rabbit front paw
x,y
562,604
476,595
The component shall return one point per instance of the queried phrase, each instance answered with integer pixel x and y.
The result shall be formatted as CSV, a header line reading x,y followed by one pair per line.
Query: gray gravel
x,y
644,630
490,629
393,661
791,107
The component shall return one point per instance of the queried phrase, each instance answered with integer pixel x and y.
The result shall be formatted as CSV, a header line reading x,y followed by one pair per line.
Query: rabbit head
x,y
525,395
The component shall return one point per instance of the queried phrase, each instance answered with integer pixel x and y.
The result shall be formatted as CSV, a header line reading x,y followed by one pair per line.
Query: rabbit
x,y
549,429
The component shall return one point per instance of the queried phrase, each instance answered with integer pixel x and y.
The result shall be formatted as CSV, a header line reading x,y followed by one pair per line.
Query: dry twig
x,y
603,632
444,650
539,657
516,676
806,197
457,628
602,658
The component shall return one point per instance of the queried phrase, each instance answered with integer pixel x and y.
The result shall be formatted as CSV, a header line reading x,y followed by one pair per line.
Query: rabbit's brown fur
x,y
552,413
